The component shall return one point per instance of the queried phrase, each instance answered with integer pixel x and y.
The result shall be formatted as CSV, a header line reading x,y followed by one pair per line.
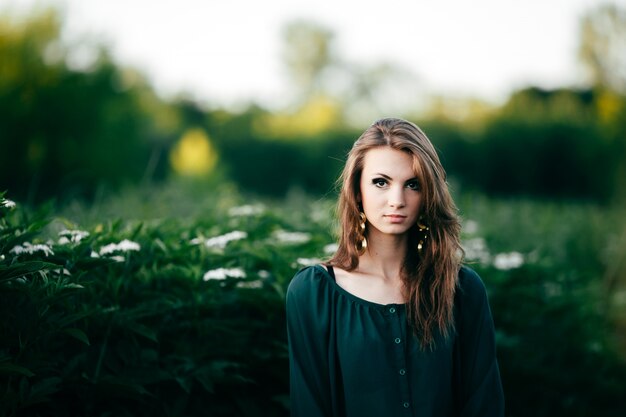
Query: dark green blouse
x,y
350,357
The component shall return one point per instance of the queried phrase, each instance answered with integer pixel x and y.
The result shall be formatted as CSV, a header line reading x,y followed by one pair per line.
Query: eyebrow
x,y
379,174
387,177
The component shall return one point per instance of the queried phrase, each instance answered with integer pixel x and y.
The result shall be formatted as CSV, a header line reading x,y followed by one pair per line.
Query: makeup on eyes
x,y
382,178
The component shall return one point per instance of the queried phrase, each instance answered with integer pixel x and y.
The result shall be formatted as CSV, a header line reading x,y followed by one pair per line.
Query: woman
x,y
392,324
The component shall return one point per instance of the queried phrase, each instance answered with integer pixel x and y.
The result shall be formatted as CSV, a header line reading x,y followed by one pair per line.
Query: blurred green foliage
x,y
549,144
114,316
67,131
64,131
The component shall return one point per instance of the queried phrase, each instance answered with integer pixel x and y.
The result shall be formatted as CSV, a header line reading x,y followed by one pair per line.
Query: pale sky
x,y
229,51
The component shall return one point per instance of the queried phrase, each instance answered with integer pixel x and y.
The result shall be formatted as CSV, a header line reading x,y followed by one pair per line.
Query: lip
x,y
395,218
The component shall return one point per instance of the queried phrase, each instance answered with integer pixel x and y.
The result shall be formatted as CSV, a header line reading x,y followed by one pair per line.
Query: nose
x,y
396,197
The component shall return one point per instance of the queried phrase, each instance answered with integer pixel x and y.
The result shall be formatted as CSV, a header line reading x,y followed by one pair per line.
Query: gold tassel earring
x,y
423,230
361,243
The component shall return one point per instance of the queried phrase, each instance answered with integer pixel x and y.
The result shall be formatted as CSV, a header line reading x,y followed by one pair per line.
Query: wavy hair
x,y
429,275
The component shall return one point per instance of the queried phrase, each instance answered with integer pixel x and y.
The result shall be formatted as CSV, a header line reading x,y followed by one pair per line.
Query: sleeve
x,y
308,335
480,390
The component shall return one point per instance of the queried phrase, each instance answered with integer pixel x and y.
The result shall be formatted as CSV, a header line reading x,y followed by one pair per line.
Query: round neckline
x,y
355,298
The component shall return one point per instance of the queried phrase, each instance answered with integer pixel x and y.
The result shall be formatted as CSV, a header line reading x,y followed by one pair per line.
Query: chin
x,y
398,230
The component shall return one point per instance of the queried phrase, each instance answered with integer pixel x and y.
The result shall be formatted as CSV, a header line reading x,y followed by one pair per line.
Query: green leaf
x,y
142,330
68,319
18,239
78,334
205,380
40,391
89,263
37,225
23,268
135,232
71,285
110,386
184,383
11,368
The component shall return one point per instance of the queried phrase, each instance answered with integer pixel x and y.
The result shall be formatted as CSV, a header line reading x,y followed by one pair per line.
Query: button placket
x,y
399,336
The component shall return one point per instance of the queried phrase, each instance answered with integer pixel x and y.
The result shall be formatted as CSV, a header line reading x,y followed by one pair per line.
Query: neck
x,y
384,256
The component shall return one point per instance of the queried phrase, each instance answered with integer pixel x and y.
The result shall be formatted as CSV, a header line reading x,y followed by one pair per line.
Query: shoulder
x,y
470,281
308,300
471,288
306,281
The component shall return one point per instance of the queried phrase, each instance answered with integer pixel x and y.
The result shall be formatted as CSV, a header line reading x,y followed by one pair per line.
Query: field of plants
x,y
158,302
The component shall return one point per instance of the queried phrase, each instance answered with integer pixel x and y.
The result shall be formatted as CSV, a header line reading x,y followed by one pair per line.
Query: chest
x,y
373,290
380,359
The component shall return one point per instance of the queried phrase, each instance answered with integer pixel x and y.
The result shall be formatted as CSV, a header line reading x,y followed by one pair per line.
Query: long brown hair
x,y
429,275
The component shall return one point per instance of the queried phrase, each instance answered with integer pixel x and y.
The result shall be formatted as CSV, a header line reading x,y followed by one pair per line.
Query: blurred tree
x,y
68,125
546,143
375,89
602,46
363,91
307,54
316,116
602,50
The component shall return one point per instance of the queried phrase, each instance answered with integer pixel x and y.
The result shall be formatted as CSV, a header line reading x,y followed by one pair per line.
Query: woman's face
x,y
389,191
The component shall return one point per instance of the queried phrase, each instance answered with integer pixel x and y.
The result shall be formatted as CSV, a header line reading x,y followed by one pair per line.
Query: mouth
x,y
395,217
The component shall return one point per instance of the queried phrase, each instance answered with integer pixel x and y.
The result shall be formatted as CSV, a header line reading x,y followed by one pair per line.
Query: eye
x,y
413,185
379,182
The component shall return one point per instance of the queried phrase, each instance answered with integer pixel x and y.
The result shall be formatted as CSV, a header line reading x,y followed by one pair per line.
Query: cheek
x,y
369,198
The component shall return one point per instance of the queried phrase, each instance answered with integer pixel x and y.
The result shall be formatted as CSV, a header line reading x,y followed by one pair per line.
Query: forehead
x,y
388,161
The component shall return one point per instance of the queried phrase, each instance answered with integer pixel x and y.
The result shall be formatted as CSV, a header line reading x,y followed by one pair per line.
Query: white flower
x,y
220,241
73,236
331,248
250,284
222,273
94,254
308,261
118,258
5,202
476,250
291,237
30,249
111,247
509,260
124,246
246,210
263,274
470,227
